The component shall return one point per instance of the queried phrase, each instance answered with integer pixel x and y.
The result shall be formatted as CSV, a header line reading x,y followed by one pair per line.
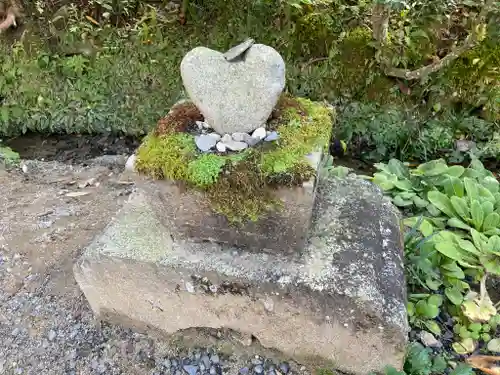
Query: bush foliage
x,y
107,66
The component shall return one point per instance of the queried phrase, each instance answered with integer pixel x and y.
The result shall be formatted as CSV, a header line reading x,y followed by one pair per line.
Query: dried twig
x,y
380,26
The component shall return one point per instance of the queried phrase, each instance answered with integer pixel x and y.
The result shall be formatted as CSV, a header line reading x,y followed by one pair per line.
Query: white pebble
x,y
259,133
226,138
221,147
239,137
189,287
214,135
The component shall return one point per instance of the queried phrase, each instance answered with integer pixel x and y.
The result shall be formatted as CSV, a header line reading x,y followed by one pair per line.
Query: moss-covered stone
x,y
239,185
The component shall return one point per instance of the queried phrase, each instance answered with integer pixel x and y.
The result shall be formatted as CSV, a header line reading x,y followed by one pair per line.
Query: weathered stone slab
x,y
341,302
189,216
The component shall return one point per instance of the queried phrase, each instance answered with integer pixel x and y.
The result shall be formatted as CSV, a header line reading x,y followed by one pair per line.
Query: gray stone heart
x,y
236,96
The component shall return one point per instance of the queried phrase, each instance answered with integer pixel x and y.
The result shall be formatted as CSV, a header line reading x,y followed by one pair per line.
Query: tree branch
x,y
469,43
380,22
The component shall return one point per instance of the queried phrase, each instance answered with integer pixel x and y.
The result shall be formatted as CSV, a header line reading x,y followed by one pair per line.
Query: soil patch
x,y
73,149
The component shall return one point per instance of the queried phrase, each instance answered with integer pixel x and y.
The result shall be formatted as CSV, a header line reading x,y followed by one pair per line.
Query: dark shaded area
x,y
71,148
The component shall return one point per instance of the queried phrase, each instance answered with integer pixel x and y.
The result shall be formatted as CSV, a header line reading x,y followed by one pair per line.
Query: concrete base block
x,y
188,214
339,303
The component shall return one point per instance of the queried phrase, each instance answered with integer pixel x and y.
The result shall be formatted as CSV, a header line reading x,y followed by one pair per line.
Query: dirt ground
x,y
49,212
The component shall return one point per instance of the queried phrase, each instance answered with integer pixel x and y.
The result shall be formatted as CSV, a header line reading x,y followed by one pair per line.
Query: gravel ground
x,y
46,325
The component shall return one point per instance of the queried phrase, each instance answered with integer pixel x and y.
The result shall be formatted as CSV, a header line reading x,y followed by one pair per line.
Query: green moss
x,y
166,156
299,134
205,170
240,186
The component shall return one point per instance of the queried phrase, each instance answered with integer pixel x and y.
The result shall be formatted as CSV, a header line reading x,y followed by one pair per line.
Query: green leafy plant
x,y
452,242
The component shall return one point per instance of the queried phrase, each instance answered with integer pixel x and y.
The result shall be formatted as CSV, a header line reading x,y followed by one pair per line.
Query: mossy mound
x,y
238,185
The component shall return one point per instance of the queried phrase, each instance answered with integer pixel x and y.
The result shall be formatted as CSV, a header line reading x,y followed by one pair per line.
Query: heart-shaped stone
x,y
234,96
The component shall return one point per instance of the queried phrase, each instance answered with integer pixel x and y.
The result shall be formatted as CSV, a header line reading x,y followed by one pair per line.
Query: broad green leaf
x,y
442,202
451,250
460,206
479,240
471,188
469,247
427,310
494,345
477,309
455,170
433,327
426,228
477,214
410,308
400,202
457,223
485,194
487,207
491,264
453,186
439,364
492,231
403,184
432,284
419,202
382,167
466,346
398,168
452,269
435,299
433,210
382,181
407,195
491,183
491,221
477,164
462,369
497,199
454,295
433,168
494,244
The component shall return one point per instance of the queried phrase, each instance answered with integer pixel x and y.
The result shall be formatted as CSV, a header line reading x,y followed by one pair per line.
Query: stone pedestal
x,y
339,303
188,214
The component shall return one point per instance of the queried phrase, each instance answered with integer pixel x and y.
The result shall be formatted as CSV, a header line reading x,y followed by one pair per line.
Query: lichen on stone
x,y
239,186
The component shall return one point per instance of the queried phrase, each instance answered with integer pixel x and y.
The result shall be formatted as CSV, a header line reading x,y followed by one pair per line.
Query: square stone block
x,y
188,214
339,303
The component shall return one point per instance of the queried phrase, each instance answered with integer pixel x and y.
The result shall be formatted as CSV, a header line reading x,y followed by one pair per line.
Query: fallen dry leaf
x,y
486,363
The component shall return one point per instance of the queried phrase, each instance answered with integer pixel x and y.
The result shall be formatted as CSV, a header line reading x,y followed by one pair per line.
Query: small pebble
x,y
252,141
189,288
273,136
190,369
52,335
257,361
244,371
259,133
221,147
206,361
215,358
235,146
216,136
205,142
226,138
284,368
239,137
258,369
429,340
15,332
